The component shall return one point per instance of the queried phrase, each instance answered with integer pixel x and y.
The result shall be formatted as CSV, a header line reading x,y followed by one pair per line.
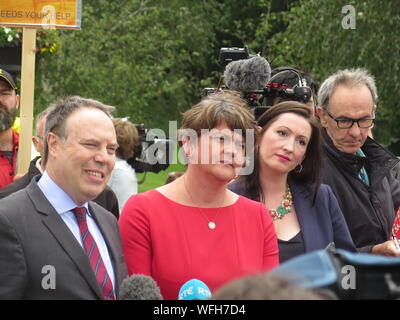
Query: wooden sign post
x,y
33,14
27,98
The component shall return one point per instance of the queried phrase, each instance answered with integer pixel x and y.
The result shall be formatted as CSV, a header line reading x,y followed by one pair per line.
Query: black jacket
x,y
369,210
107,199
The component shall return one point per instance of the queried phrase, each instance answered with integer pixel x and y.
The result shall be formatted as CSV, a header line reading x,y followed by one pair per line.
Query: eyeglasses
x,y
344,123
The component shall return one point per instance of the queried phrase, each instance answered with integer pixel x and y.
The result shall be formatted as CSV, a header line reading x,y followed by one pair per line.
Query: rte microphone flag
x,y
194,290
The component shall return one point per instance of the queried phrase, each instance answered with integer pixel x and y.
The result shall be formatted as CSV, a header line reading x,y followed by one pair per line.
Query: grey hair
x,y
348,77
42,115
57,117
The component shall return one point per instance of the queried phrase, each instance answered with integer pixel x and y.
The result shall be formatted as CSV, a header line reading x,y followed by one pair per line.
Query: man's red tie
x,y
93,253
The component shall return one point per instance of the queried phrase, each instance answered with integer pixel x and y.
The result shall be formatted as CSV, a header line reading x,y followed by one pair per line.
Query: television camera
x,y
251,75
152,154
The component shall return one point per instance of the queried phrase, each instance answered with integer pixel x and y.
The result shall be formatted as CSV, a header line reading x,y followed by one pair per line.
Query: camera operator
x,y
123,179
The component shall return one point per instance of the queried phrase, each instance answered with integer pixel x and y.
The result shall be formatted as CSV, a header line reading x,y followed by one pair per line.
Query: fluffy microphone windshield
x,y
139,287
247,75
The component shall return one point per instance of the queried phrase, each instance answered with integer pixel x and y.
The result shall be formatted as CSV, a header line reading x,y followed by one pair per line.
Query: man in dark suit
x,y
107,198
55,243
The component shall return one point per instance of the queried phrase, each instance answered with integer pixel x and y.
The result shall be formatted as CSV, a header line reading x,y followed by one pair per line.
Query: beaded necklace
x,y
284,208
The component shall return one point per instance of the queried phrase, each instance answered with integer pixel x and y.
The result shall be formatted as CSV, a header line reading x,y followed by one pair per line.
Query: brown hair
x,y
224,106
312,163
127,138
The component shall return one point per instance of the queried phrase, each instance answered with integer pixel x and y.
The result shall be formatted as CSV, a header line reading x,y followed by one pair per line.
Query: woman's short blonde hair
x,y
127,138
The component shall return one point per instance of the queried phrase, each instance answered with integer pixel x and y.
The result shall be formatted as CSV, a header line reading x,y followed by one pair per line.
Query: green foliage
x,y
145,58
9,36
150,59
47,42
238,21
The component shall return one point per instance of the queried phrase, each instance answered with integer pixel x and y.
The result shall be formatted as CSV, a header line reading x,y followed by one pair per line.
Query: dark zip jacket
x,y
369,210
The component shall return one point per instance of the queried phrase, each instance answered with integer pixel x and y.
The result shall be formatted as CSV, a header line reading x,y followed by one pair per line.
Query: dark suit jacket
x,y
321,223
107,199
33,236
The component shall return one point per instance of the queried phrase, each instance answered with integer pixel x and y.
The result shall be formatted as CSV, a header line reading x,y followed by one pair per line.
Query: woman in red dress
x,y
194,227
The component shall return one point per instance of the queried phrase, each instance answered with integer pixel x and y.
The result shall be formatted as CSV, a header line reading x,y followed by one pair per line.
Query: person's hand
x,y
387,248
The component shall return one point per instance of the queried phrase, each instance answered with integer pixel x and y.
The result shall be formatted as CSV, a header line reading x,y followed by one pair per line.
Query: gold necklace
x,y
211,224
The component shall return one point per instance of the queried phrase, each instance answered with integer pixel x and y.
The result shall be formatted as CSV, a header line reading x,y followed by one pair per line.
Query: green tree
x,y
144,57
151,59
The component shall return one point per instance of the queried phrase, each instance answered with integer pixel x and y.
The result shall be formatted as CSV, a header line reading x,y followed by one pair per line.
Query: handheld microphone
x,y
194,290
247,75
139,287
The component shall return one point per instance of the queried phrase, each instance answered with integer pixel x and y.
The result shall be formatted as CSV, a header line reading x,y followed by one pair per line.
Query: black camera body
x,y
152,154
227,55
278,86
261,99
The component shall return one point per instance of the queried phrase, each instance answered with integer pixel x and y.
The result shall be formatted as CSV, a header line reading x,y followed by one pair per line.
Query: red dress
x,y
172,243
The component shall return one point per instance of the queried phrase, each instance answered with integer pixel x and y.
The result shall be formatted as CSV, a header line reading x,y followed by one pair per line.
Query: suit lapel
x,y
305,213
60,231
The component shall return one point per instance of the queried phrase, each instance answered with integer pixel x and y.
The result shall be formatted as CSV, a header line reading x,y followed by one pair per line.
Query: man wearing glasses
x,y
357,168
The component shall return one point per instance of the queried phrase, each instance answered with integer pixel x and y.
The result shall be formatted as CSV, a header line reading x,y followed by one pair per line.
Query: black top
x,y
291,248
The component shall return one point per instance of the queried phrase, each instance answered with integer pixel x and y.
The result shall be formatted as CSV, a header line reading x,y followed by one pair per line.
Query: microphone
x,y
248,74
139,287
194,290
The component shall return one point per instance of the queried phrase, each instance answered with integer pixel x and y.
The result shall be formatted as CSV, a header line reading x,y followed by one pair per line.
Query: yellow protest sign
x,y
61,14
